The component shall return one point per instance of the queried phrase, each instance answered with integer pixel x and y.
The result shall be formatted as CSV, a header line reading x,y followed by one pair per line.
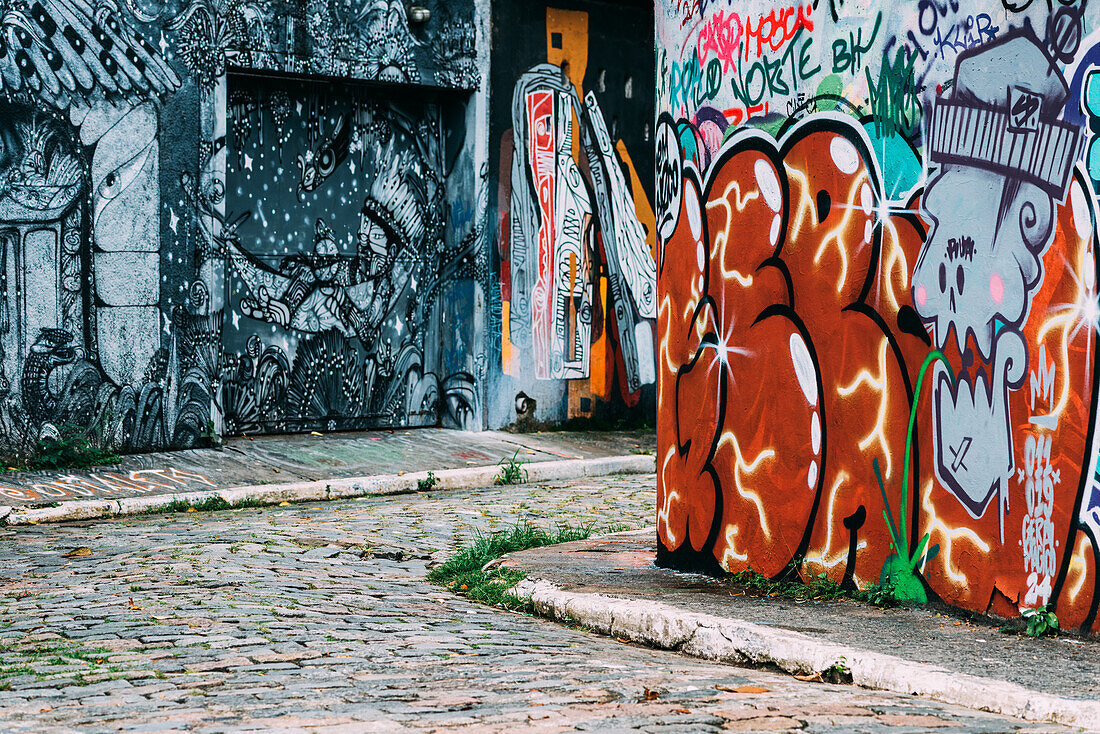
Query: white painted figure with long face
x,y
1004,162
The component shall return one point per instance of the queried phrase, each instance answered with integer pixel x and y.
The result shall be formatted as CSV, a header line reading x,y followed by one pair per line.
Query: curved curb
x,y
736,641
327,489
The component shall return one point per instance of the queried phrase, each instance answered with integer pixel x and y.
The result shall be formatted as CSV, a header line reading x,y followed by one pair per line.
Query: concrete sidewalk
x,y
295,468
611,585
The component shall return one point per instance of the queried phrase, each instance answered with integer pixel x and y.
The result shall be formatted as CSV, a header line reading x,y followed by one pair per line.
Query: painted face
x,y
324,239
974,279
373,245
975,275
372,237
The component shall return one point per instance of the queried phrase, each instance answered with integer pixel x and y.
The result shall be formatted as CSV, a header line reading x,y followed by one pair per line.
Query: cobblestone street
x,y
318,618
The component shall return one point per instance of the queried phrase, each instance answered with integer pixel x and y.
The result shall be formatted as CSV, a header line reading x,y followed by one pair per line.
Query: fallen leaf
x,y
682,711
315,433
284,504
191,509
650,694
742,689
275,470
809,677
80,552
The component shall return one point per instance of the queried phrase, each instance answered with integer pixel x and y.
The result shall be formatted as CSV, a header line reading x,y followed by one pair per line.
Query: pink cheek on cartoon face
x,y
922,296
996,288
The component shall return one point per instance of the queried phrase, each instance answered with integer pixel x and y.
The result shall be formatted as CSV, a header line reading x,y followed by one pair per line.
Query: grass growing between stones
x,y
54,659
465,574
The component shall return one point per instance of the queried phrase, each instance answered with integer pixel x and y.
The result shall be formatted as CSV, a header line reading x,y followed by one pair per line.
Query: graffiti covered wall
x,y
145,293
877,296
573,329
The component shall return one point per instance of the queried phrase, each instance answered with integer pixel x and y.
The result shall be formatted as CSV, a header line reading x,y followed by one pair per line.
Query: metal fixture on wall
x,y
418,14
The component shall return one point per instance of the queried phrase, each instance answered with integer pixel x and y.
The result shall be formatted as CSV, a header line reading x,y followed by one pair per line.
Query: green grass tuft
x,y
790,585
210,504
511,470
463,574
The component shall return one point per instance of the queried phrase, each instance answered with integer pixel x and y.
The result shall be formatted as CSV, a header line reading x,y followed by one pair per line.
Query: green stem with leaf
x,y
903,529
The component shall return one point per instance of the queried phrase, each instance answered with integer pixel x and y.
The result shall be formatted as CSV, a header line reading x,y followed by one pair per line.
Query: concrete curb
x,y
736,641
327,489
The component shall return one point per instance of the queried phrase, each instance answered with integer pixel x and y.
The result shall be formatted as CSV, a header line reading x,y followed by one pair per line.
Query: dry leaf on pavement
x,y
742,689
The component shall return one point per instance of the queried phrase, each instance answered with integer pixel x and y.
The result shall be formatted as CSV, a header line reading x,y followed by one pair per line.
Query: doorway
x,y
336,199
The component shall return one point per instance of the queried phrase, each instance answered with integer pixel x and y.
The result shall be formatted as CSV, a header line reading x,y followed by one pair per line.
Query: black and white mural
x,y
177,250
357,39
338,255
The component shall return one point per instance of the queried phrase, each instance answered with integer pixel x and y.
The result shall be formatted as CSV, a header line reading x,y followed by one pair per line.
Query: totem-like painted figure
x,y
1005,162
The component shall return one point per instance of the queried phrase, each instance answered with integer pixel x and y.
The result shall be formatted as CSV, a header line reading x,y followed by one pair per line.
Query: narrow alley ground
x,y
319,618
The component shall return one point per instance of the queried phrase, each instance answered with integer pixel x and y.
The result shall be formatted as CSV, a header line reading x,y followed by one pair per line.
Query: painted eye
x,y
943,278
959,278
116,181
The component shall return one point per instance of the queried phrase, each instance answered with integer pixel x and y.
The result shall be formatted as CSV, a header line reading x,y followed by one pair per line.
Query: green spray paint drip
x,y
899,572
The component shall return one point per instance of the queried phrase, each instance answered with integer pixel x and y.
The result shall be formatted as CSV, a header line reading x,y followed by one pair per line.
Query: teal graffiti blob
x,y
899,163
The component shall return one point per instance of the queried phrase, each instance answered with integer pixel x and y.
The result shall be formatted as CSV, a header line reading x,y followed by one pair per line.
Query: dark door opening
x,y
335,206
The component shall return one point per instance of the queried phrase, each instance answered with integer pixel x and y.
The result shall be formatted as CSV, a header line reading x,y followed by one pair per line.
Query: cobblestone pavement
x,y
318,618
